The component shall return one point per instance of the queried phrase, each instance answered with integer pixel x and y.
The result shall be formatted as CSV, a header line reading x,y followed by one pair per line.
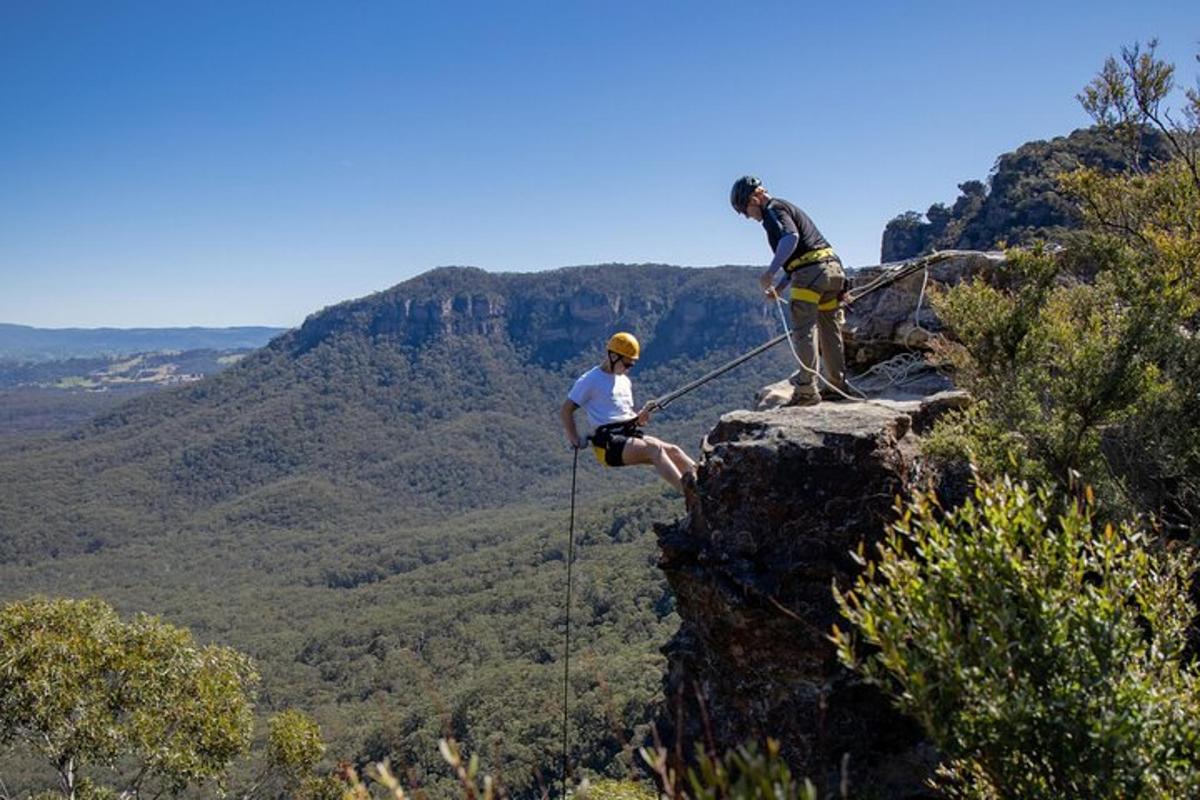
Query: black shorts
x,y
608,442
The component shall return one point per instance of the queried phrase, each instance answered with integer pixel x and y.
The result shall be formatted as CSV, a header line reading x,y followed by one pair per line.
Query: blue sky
x,y
220,163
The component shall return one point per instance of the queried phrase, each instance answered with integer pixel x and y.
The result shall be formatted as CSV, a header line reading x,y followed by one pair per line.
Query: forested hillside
x,y
375,505
1023,199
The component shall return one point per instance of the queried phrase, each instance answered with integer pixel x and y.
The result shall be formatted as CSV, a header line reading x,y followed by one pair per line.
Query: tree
x,y
1041,653
1086,359
83,689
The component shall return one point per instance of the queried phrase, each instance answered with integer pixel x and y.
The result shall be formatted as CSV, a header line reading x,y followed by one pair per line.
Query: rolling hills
x,y
374,507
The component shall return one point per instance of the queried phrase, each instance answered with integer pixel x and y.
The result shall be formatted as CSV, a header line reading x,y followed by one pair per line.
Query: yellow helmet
x,y
624,344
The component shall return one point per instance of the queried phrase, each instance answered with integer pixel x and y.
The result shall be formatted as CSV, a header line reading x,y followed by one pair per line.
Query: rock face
x,y
553,316
899,317
783,497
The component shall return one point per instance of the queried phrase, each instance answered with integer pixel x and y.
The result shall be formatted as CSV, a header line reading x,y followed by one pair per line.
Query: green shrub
x,y
1040,653
1086,360
742,773
609,789
81,688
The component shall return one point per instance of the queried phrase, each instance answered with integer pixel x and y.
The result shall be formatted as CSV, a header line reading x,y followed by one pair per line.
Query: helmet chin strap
x,y
613,358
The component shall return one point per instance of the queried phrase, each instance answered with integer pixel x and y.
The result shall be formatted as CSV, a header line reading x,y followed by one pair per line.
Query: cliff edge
x,y
783,497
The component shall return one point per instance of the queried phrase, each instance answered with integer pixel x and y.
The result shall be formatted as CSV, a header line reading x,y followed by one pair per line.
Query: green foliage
x,y
608,789
742,773
1023,202
1040,653
1055,364
294,742
83,689
1086,360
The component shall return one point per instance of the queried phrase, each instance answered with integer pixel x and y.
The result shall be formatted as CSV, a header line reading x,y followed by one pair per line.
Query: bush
x,y
1041,654
1086,360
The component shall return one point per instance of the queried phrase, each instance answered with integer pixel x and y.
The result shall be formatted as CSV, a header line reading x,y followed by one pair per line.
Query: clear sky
x,y
221,163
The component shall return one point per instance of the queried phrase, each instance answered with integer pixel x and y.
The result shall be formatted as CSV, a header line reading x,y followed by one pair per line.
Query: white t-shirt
x,y
604,396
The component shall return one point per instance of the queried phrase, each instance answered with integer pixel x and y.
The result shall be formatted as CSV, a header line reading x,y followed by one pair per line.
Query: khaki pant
x,y
823,280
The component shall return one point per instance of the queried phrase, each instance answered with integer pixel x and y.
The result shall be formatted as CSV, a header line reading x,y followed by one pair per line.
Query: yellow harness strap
x,y
811,257
809,296
599,452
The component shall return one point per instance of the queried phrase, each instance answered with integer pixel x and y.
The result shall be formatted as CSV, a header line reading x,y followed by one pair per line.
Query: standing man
x,y
606,394
816,277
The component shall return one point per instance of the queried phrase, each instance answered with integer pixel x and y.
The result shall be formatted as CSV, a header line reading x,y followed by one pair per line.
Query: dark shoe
x,y
835,396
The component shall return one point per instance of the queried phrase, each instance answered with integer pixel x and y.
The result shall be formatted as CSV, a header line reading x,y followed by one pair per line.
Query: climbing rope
x,y
567,640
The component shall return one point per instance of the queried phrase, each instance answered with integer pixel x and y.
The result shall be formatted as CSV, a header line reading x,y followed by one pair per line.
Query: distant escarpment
x,y
553,316
784,497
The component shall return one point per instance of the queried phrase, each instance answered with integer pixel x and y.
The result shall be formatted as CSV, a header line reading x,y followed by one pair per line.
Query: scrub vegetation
x,y
1086,359
1042,633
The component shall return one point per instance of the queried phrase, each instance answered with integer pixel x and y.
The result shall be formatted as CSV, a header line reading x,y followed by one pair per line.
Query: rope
x,y
792,347
567,641
896,369
664,400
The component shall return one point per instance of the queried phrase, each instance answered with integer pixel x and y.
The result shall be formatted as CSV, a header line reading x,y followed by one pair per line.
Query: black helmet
x,y
742,189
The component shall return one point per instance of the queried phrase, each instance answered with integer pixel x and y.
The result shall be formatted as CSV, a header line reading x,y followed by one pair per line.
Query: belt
x,y
626,428
811,257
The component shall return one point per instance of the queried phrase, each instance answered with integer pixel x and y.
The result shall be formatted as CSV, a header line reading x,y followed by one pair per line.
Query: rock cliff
x,y
783,497
554,316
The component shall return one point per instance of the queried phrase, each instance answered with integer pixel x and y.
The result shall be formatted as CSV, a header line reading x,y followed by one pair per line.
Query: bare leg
x,y
682,461
656,452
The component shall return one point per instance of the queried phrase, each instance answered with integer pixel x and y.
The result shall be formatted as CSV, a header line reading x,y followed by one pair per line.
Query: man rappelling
x,y
605,393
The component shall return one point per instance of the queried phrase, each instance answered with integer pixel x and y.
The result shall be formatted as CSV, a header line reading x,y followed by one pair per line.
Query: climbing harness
x,y
896,370
810,257
567,639
792,346
608,441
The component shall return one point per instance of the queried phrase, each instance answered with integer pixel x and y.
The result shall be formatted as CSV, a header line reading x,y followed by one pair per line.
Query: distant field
x,y
46,397
23,343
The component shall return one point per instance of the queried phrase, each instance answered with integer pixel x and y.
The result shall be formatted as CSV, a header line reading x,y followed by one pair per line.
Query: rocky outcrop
x,y
783,497
899,317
